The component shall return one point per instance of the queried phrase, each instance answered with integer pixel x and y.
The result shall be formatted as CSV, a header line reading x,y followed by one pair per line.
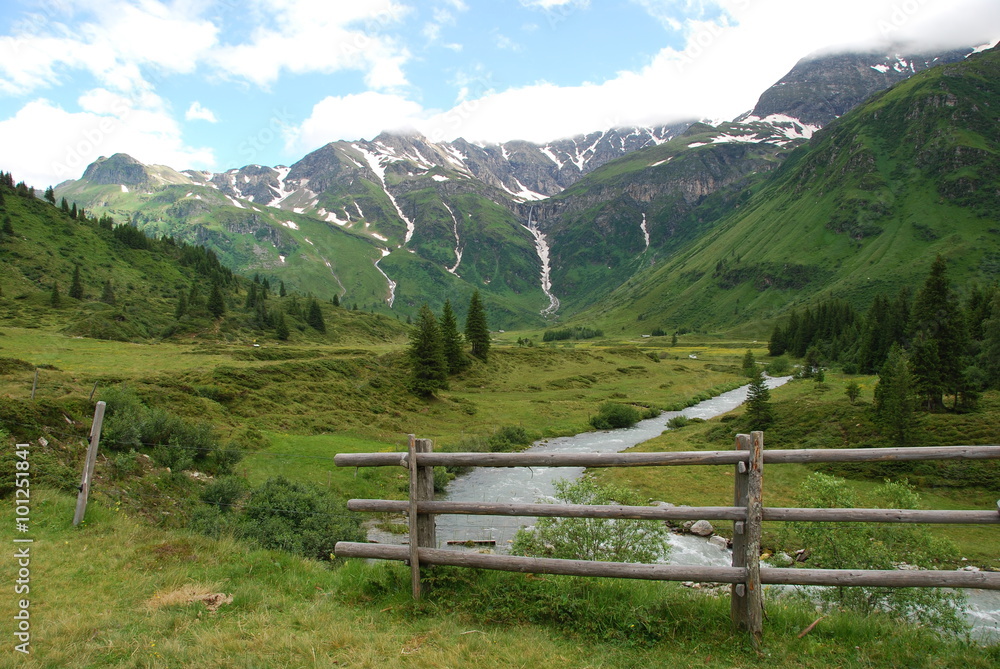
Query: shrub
x,y
678,422
877,546
224,492
613,415
604,539
297,518
779,366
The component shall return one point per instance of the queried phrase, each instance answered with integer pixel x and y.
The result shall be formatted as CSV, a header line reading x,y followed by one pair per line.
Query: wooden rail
x,y
747,513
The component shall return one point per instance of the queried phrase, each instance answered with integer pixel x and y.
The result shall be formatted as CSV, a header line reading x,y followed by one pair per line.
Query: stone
x,y
702,528
716,540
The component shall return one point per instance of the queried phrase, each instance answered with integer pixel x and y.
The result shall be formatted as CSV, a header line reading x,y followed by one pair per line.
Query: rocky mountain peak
x,y
120,168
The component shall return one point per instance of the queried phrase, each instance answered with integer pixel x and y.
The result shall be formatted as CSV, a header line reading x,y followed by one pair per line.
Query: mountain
x,y
822,87
862,209
542,230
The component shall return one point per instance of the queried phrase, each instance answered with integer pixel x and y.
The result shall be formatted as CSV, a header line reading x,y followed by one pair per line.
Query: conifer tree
x,y
336,300
182,307
281,289
216,304
108,293
55,300
749,364
280,327
314,317
477,330
8,227
451,340
428,365
76,288
64,205
894,396
50,195
759,413
939,338
72,211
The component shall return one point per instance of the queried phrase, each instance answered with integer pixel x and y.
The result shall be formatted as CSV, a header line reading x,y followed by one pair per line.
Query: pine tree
x,y
477,330
182,307
939,338
451,340
55,300
216,304
895,399
989,358
108,293
281,289
749,364
280,327
336,300
428,365
76,288
72,211
64,205
50,195
314,317
8,227
759,413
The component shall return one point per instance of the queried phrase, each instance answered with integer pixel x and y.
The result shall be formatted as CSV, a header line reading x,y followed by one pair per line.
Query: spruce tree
x,y
759,414
72,211
216,304
50,195
939,338
76,288
451,340
281,289
336,300
314,317
280,327
895,399
64,205
477,330
749,364
428,365
55,300
108,293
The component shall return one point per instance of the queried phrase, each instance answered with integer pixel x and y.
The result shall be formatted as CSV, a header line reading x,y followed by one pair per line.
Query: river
x,y
528,485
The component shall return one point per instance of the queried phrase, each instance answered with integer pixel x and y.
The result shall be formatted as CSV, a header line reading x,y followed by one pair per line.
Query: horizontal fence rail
x,y
668,459
669,572
747,513
681,512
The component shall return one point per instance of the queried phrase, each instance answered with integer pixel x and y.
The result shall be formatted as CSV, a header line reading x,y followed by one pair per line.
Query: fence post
x,y
755,518
88,464
34,384
422,533
741,488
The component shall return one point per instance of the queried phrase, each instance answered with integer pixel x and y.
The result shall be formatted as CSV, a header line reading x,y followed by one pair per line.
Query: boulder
x,y
716,540
702,528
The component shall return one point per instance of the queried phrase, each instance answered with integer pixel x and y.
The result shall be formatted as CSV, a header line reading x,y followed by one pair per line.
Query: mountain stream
x,y
529,484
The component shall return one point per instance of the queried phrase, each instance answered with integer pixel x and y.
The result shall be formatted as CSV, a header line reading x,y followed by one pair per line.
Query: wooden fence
x,y
747,513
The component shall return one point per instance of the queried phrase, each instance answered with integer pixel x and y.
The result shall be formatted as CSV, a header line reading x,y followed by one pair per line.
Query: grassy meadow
x,y
132,587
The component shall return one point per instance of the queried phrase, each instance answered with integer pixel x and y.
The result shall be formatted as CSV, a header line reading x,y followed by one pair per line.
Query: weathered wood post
x,y
754,528
741,488
422,531
89,463
34,384
747,598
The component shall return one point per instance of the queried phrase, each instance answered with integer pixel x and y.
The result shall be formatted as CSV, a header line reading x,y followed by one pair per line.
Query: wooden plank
x,y
88,464
755,506
426,534
882,578
553,510
654,572
741,487
882,516
671,459
413,553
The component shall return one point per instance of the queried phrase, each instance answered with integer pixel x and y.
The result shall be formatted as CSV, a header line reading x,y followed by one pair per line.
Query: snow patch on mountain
x,y
542,248
379,170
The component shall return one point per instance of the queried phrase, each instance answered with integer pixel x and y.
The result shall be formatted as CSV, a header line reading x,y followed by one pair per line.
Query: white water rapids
x,y
542,248
528,485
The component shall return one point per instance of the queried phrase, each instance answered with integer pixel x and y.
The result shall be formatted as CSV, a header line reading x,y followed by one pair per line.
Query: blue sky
x,y
215,84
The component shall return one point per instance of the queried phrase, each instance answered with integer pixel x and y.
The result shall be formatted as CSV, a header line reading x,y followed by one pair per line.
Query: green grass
x,y
141,608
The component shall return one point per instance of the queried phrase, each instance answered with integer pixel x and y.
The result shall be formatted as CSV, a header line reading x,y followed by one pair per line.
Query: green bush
x,y
877,546
603,539
613,415
779,366
297,518
678,422
224,492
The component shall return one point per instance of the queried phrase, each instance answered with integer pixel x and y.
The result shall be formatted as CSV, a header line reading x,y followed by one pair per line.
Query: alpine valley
x,y
847,179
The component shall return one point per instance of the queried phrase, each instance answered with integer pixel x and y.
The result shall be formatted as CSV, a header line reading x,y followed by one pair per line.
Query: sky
x,y
218,84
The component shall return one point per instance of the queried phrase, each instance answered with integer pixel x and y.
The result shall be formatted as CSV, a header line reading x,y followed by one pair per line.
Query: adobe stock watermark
x,y
276,126
900,15
705,38
22,548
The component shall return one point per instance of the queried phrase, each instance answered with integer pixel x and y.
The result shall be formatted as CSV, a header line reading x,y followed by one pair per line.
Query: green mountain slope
x,y
863,208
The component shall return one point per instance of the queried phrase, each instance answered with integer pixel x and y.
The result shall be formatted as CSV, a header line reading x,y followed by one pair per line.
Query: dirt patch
x,y
188,594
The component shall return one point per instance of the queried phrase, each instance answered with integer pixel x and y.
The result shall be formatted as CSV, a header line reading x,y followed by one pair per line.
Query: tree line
x,y
436,349
950,344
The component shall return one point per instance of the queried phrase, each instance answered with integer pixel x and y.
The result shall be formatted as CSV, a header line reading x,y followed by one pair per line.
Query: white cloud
x,y
550,4
351,117
320,36
199,113
72,140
